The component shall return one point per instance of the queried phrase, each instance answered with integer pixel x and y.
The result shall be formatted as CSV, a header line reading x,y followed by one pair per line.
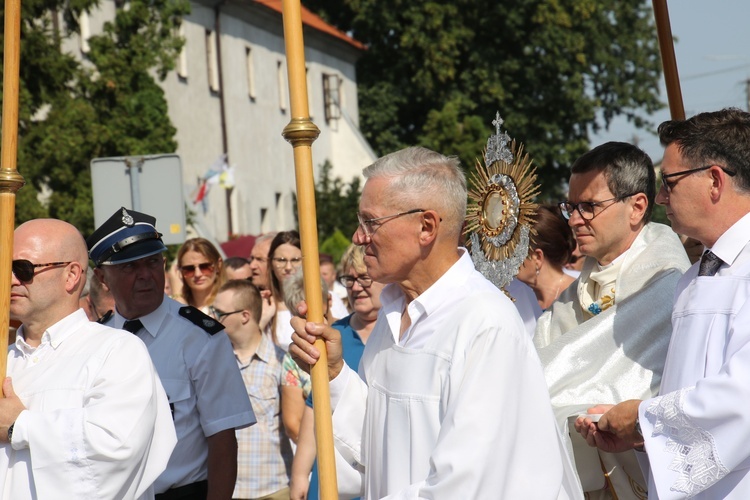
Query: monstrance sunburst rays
x,y
500,202
500,212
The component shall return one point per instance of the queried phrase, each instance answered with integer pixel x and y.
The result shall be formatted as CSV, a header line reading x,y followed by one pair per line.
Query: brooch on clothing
x,y
603,304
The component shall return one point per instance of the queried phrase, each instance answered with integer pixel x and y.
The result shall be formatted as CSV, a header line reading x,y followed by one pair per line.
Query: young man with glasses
x,y
695,433
264,455
607,333
85,415
194,360
450,400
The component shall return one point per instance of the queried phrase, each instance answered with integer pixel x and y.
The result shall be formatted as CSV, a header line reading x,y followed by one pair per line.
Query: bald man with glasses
x,y
607,334
84,415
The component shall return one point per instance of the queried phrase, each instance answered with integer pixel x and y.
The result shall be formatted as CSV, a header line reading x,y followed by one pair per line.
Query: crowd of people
x,y
617,369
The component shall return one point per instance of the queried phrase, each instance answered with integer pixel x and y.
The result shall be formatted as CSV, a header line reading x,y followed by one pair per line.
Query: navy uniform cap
x,y
126,236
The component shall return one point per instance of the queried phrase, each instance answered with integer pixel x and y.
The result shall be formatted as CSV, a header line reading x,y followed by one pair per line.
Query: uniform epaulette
x,y
107,316
199,318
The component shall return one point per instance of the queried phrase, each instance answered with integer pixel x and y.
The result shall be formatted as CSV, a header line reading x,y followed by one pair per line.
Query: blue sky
x,y
712,48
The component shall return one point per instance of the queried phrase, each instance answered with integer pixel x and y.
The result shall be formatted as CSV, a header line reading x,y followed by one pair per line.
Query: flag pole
x,y
668,60
301,132
10,180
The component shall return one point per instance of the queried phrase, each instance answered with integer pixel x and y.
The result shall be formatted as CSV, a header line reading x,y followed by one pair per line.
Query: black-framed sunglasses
x,y
219,315
348,281
24,269
587,209
667,186
189,270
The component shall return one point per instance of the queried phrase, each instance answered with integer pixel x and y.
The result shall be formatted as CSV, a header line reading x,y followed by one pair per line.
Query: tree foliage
x,y
337,204
73,110
435,72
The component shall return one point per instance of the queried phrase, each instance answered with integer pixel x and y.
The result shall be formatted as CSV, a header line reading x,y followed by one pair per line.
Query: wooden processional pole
x,y
674,93
301,132
10,180
668,60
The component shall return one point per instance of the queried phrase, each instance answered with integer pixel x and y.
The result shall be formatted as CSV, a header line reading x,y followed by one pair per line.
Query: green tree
x,y
108,105
336,204
435,72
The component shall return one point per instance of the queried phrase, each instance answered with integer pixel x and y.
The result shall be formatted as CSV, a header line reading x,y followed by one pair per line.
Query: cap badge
x,y
127,219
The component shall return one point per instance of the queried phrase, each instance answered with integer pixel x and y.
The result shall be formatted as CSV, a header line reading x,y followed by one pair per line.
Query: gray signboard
x,y
150,184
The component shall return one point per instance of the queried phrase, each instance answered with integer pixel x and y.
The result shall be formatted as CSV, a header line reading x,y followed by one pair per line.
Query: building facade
x,y
229,94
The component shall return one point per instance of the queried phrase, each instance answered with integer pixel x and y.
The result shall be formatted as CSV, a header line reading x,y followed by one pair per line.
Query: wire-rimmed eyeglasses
x,y
369,226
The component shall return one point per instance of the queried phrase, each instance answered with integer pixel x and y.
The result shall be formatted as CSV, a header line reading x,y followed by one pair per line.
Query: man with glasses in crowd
x,y
264,458
605,338
696,432
194,361
450,400
84,415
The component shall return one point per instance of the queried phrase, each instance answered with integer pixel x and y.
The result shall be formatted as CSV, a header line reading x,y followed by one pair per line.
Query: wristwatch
x,y
10,432
638,426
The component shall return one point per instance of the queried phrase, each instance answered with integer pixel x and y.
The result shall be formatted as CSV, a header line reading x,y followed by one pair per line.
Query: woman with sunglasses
x,y
284,258
200,267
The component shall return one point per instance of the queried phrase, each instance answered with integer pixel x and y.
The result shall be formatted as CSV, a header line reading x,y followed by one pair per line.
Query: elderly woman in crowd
x,y
296,384
364,299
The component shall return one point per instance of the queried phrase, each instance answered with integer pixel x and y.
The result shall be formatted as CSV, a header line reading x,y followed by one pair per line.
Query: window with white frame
x,y
331,97
281,79
212,63
250,72
182,65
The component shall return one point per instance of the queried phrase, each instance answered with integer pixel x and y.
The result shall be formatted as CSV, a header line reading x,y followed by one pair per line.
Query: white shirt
x,y
456,408
97,423
202,382
698,429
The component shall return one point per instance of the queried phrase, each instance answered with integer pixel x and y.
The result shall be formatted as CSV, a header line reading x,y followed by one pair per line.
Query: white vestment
x,y
616,355
697,431
457,407
97,423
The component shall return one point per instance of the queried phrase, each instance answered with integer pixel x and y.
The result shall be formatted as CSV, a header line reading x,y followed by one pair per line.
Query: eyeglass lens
x,y
24,269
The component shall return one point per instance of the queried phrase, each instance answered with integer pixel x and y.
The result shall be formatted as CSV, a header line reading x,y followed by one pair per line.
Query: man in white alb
x,y
84,413
695,434
450,401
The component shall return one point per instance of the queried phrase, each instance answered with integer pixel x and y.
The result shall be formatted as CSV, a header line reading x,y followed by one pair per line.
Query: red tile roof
x,y
314,21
